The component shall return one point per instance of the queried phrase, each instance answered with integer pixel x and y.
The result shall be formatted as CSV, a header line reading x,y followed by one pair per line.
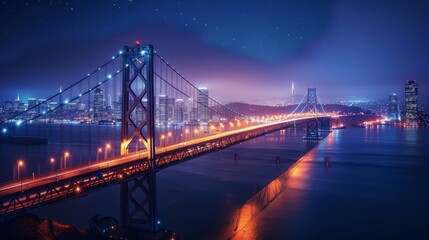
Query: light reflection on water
x,y
247,215
374,188
198,197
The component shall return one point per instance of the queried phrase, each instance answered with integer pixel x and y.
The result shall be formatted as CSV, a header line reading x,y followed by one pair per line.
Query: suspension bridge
x,y
120,124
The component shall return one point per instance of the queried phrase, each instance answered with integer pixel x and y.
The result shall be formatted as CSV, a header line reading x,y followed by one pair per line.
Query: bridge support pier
x,y
138,202
138,198
312,130
325,125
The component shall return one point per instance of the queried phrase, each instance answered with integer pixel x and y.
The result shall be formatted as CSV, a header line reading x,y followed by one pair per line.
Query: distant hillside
x,y
259,110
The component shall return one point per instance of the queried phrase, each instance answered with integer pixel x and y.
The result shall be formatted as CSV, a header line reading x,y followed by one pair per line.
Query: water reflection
x,y
294,177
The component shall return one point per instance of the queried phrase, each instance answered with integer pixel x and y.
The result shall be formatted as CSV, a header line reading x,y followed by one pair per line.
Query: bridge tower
x,y
312,126
138,203
325,125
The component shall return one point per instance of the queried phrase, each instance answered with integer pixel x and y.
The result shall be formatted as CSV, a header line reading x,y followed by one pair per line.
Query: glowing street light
x,y
52,160
98,153
169,135
20,164
66,154
105,150
162,138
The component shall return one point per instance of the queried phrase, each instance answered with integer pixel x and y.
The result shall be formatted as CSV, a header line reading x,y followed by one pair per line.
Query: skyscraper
x,y
393,108
203,105
179,111
43,107
163,115
292,96
32,102
411,101
98,104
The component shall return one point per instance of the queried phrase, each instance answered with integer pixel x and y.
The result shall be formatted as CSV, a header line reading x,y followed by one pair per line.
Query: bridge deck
x,y
28,193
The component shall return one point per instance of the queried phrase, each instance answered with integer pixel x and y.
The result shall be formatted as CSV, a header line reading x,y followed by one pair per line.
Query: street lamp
x,y
20,164
186,133
98,153
66,154
105,150
52,160
162,138
169,135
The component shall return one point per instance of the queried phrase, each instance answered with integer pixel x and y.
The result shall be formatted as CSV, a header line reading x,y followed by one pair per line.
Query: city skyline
x,y
192,119
343,49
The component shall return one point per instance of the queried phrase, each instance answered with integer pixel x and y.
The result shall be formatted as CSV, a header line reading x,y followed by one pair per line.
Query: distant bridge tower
x,y
138,195
312,126
312,100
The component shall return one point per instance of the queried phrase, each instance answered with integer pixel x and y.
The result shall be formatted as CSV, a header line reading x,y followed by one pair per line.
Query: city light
x,y
162,138
66,154
20,164
107,148
52,160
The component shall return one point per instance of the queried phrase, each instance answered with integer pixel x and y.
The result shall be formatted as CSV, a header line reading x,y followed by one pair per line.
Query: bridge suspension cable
x,y
187,88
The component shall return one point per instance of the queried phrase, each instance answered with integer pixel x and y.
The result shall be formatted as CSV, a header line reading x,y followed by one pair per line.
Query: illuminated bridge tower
x,y
312,126
138,195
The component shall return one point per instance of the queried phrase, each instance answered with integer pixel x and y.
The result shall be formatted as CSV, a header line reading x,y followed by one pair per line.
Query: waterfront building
x,y
162,106
411,101
32,102
98,104
179,111
203,105
392,111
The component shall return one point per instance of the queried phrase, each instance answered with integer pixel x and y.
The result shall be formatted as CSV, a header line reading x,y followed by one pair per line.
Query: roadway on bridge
x,y
43,179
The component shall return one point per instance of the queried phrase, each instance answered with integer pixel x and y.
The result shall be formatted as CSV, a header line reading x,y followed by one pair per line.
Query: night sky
x,y
242,50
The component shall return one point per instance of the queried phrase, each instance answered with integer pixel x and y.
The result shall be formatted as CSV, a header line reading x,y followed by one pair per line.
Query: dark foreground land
x,y
31,227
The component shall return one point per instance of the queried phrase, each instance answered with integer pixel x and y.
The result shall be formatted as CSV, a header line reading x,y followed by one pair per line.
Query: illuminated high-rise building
x,y
393,108
162,105
43,106
32,102
292,96
179,111
98,104
411,101
203,105
170,109
191,113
